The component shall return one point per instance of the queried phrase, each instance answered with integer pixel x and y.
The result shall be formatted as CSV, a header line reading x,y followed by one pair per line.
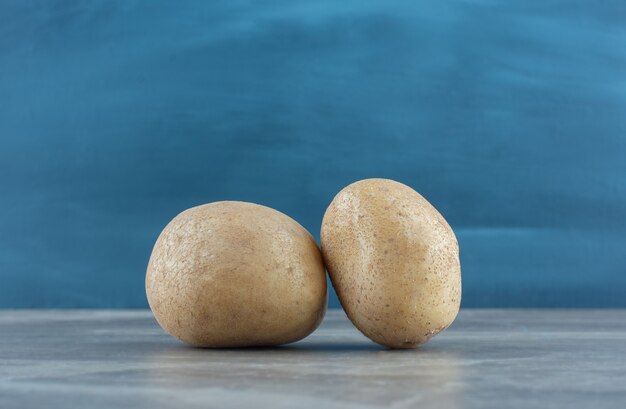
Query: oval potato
x,y
235,274
393,261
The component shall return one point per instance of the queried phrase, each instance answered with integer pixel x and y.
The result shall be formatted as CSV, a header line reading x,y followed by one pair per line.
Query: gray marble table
x,y
487,359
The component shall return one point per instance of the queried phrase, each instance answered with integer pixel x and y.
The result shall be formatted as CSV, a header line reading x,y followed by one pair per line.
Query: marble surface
x,y
487,359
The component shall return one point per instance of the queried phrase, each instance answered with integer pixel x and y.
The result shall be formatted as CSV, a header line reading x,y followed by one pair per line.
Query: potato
x,y
235,274
394,262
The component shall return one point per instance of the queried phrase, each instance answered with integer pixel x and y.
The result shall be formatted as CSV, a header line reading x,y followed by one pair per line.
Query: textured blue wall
x,y
510,117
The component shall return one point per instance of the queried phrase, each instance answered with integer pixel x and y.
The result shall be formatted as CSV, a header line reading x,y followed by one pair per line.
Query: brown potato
x,y
235,274
394,262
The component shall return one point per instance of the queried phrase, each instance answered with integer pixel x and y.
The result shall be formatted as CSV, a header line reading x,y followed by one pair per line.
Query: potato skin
x,y
236,274
394,262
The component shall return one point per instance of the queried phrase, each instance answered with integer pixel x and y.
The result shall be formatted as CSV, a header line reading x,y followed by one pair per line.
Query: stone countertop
x,y
487,359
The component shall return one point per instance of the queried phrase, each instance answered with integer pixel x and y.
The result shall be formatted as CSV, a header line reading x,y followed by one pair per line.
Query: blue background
x,y
510,117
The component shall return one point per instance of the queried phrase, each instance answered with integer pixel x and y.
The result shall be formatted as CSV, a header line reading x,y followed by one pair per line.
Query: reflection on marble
x,y
487,359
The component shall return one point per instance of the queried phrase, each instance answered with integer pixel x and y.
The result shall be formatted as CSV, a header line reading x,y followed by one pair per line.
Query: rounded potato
x,y
394,262
235,274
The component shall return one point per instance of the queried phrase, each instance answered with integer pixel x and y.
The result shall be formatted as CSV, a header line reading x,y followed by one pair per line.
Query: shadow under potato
x,y
316,346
